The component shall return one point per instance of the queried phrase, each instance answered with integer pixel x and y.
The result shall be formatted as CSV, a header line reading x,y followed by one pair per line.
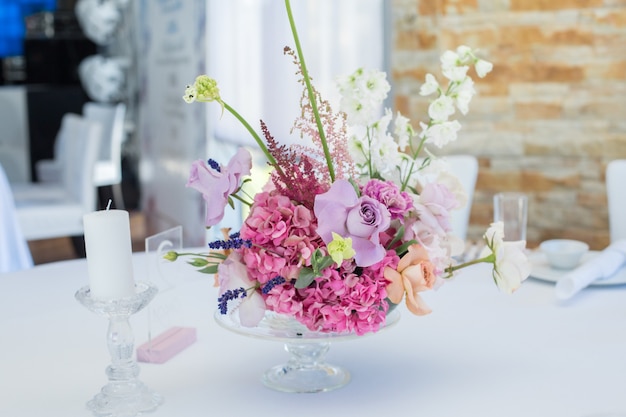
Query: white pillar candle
x,y
109,254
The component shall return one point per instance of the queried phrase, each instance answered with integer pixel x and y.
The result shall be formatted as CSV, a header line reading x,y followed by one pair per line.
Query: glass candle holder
x,y
124,395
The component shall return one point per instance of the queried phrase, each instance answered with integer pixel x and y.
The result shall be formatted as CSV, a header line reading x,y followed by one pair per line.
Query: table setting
x,y
343,292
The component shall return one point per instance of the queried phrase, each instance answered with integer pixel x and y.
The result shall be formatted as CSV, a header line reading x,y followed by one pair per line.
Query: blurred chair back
x,y
108,169
616,197
48,211
14,135
14,251
465,167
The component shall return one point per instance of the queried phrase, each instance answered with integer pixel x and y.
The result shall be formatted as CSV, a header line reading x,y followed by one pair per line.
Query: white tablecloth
x,y
480,353
14,251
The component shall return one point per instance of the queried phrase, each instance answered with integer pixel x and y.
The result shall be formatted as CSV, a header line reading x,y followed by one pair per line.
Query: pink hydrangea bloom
x,y
216,185
283,237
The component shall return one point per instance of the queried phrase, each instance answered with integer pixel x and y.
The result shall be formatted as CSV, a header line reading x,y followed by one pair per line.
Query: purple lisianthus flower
x,y
217,184
397,202
342,211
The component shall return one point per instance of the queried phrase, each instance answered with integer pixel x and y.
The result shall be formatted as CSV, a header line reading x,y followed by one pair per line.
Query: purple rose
x,y
217,183
390,195
342,211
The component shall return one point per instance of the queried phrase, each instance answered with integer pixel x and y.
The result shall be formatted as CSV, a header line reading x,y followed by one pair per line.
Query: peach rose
x,y
413,275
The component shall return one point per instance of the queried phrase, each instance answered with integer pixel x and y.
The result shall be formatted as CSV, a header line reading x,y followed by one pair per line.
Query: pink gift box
x,y
166,345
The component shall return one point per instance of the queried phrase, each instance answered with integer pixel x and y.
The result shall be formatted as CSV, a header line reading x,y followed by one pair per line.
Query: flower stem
x,y
309,87
256,137
491,258
246,202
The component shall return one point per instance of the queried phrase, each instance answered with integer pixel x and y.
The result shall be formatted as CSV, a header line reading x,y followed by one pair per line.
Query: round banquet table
x,y
480,353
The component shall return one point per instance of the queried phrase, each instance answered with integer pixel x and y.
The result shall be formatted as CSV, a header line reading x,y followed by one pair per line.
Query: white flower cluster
x,y
372,146
459,92
393,155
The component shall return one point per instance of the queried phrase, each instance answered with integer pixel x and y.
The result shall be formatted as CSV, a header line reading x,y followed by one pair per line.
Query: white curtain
x,y
245,55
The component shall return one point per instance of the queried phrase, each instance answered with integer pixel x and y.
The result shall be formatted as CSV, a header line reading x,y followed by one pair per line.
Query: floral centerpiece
x,y
348,227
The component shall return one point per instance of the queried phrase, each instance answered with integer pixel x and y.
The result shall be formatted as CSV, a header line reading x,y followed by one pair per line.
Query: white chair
x,y
465,167
616,196
56,210
108,169
14,155
14,251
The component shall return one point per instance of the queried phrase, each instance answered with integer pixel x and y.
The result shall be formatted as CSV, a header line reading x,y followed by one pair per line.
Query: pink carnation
x,y
386,192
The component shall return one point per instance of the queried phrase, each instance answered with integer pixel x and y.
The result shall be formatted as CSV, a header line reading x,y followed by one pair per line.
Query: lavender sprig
x,y
269,285
230,295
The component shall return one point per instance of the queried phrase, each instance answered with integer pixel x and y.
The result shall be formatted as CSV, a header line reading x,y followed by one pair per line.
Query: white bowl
x,y
564,253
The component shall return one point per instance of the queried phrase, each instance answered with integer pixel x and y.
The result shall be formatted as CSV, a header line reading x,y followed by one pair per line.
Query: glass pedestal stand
x,y
306,370
124,395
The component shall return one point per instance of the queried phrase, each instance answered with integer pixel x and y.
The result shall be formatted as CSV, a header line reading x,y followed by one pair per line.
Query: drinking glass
x,y
511,208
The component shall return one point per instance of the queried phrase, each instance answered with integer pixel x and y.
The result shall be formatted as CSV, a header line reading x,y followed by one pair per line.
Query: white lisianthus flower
x,y
430,86
440,134
483,67
510,266
441,108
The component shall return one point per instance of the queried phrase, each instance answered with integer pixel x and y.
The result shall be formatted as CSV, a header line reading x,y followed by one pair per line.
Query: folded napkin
x,y
605,264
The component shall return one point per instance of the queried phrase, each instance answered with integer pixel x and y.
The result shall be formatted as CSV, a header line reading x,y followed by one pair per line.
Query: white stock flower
x,y
385,155
357,112
441,134
357,149
463,94
441,108
456,73
465,54
449,59
430,86
403,130
376,86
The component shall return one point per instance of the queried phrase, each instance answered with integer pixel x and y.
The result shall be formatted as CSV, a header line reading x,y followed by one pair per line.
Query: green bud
x,y
170,256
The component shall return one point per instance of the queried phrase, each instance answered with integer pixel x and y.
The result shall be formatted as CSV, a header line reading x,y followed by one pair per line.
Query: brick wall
x,y
548,118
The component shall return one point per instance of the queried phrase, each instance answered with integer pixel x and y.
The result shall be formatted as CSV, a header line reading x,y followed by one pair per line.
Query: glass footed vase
x,y
306,370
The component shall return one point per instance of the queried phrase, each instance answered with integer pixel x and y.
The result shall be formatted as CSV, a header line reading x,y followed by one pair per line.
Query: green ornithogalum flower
x,y
204,89
340,248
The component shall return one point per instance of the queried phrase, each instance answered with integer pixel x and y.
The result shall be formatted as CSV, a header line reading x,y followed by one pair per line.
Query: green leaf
x,y
211,269
306,277
401,250
198,262
397,237
323,263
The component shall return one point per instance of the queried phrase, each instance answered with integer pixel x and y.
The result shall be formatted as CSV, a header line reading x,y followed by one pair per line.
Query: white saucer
x,y
542,271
